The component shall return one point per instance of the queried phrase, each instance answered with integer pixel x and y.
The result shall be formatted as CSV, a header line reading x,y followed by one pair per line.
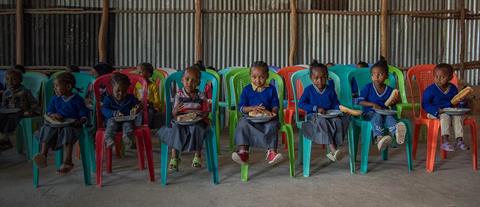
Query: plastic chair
x,y
423,74
403,105
33,81
242,79
217,113
142,133
85,141
210,141
168,71
274,68
298,80
363,77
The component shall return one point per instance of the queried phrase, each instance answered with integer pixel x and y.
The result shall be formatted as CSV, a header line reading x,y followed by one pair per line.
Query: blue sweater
x,y
268,98
434,99
312,99
72,107
110,105
369,93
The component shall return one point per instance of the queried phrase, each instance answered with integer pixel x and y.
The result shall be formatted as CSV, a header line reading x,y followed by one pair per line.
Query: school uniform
x,y
434,99
187,138
319,129
261,135
20,98
369,93
72,107
111,106
155,120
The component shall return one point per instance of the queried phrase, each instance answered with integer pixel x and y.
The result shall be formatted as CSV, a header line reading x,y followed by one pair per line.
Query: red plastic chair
x,y
423,74
142,133
289,111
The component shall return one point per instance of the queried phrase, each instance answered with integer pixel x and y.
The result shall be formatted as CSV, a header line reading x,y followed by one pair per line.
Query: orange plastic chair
x,y
423,75
289,111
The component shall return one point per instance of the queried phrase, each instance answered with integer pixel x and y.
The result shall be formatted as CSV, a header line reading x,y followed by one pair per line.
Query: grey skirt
x,y
261,135
325,131
57,137
9,122
184,138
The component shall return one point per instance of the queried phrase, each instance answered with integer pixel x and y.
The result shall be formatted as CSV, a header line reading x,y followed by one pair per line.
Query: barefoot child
x,y
188,138
319,98
64,105
258,97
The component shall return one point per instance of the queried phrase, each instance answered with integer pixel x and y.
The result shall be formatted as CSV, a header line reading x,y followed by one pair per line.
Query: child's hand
x,y
376,106
177,108
258,108
321,110
57,117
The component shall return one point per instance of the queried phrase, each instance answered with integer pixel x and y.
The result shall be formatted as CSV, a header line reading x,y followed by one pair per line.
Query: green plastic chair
x,y
210,140
87,152
33,81
242,79
403,105
364,128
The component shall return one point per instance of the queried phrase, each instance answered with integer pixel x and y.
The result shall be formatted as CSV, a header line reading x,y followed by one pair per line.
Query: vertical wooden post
x,y
102,34
463,44
198,31
19,32
384,49
293,32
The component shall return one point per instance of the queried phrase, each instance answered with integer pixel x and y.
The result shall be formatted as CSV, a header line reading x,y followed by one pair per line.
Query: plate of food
x,y
330,114
10,110
58,123
188,118
386,112
456,111
260,116
125,118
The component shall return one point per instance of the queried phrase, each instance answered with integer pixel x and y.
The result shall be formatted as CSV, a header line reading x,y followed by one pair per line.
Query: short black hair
x,y
382,64
362,64
260,64
66,78
103,68
315,65
120,80
19,67
445,67
73,69
147,66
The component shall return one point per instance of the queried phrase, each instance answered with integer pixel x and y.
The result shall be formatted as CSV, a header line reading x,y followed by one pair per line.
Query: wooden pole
x,y
293,32
102,34
461,6
198,31
384,29
19,32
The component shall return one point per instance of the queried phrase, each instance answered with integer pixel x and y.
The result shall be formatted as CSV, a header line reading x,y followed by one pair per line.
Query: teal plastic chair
x,y
210,141
33,81
242,79
364,128
304,144
217,113
87,152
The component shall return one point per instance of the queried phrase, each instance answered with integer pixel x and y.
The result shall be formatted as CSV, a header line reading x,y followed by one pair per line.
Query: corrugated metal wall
x,y
236,38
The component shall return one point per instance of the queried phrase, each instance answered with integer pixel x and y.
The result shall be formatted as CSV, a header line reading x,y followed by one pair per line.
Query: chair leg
x,y
147,149
351,148
58,158
307,152
408,144
164,163
140,150
300,147
474,145
244,173
432,139
366,143
385,154
231,129
208,151
85,162
216,179
35,150
99,145
416,133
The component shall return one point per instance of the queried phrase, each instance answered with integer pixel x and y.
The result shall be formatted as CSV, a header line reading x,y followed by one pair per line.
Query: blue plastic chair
x,y
363,77
210,141
87,152
33,81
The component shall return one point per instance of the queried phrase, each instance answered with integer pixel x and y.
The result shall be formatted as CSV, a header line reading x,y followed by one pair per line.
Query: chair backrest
x,y
2,76
400,82
274,68
167,71
34,81
345,93
83,83
286,73
157,76
175,78
242,79
227,75
423,77
104,81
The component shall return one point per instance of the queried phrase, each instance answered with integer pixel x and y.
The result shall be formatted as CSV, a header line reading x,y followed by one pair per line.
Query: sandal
x,y
197,162
173,164
447,147
40,160
64,169
461,145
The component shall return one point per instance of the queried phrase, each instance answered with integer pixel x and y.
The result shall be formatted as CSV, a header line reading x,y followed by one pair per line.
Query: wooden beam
x,y
293,32
198,31
384,48
19,32
103,31
463,35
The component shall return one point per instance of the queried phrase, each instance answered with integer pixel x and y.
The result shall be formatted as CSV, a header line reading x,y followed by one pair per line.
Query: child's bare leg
x,y
68,154
198,154
40,159
333,147
243,148
174,153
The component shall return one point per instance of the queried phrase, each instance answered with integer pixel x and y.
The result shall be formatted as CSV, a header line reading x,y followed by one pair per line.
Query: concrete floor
x,y
388,183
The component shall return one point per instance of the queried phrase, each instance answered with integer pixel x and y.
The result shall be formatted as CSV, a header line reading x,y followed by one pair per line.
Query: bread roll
x,y
461,95
187,117
390,99
350,111
260,113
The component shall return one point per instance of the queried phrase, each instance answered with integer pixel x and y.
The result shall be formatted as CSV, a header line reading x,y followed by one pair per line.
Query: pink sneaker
x,y
273,157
